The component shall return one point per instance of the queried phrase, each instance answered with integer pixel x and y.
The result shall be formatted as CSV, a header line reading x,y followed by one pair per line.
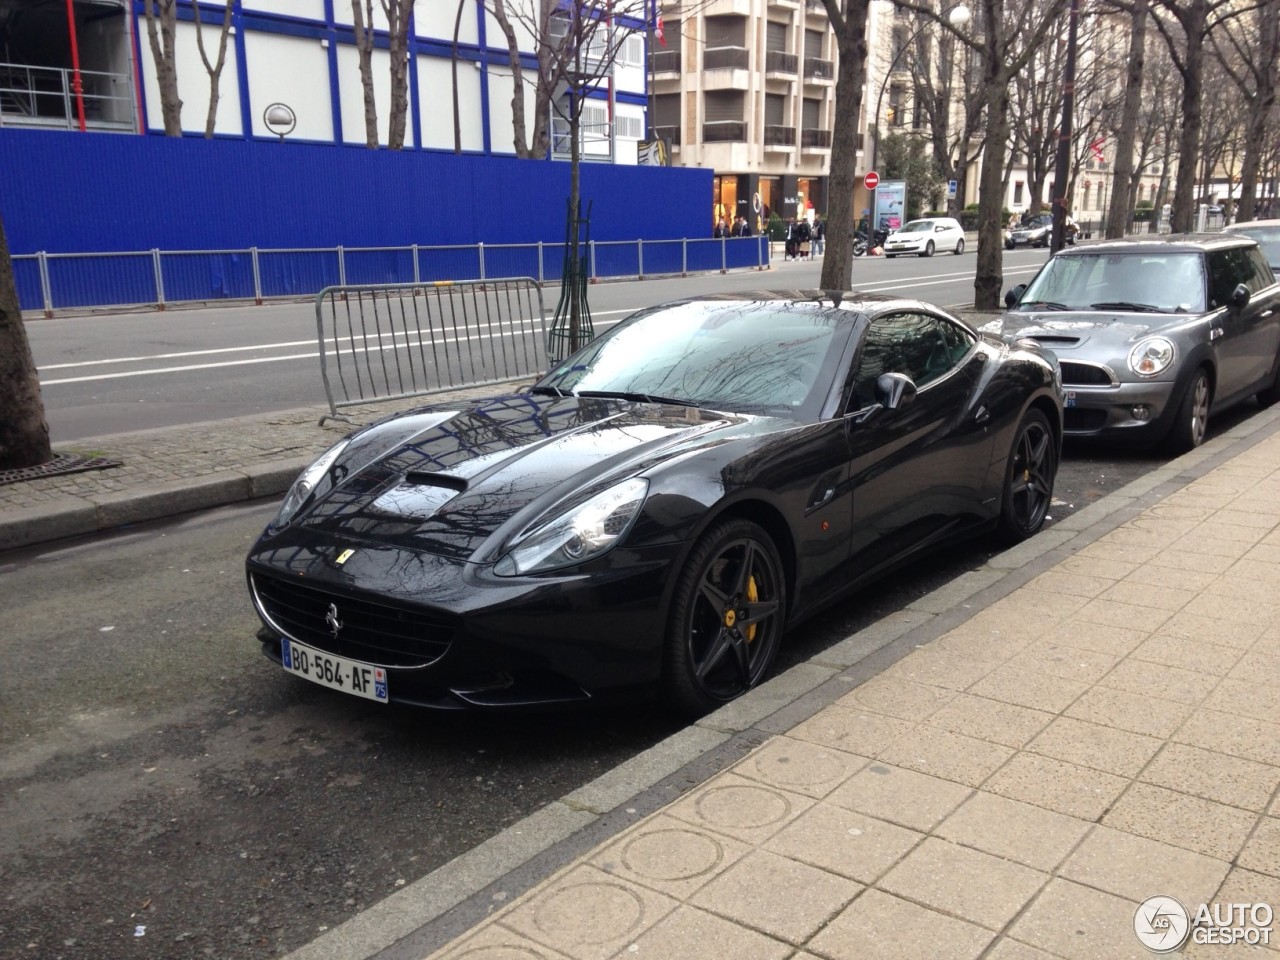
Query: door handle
x,y
1215,333
982,415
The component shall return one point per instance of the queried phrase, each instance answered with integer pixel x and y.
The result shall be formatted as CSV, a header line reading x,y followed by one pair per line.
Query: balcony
x,y
777,63
819,70
32,96
666,61
668,133
811,139
779,138
724,131
725,58
815,8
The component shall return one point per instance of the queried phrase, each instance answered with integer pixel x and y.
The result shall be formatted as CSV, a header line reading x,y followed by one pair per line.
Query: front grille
x,y
1084,375
1083,420
372,630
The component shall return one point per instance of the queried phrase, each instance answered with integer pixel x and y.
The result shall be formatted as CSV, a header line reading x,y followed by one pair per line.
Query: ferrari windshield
x,y
1144,282
741,356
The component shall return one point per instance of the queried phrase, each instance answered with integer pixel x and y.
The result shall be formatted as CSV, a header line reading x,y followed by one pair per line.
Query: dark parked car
x,y
657,510
1153,335
1037,231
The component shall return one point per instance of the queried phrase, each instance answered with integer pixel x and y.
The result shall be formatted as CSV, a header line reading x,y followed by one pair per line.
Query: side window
x,y
921,346
1222,278
1260,275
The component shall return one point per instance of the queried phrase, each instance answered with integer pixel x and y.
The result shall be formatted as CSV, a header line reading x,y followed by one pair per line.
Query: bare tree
x,y
24,434
162,18
1126,131
362,18
214,68
1253,39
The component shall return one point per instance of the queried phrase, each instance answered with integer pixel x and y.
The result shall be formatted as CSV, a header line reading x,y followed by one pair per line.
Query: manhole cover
x,y
61,463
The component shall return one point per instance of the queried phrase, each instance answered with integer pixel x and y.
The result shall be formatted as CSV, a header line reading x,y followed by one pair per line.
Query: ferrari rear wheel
x,y
1028,480
726,619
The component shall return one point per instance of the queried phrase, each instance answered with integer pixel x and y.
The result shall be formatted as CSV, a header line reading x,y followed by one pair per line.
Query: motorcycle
x,y
861,243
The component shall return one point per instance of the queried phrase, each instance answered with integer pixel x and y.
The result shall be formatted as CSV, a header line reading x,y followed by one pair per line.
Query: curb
x,y
449,901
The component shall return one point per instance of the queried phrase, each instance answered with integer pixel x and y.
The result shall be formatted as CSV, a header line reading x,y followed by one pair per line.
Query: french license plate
x,y
1070,400
339,673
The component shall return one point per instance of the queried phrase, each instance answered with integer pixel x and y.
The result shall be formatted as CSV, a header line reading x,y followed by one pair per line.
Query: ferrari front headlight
x,y
307,482
581,534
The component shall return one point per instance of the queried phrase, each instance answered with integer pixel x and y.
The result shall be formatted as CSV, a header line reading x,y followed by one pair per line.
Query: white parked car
x,y
924,237
1266,232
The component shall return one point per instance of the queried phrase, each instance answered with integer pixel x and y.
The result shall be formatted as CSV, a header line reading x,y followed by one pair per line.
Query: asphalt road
x,y
108,373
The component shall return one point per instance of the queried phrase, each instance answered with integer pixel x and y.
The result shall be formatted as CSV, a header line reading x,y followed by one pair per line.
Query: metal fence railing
x,y
159,278
391,341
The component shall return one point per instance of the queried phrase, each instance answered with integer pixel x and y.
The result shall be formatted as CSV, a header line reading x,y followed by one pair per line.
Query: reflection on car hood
x,y
1070,329
449,488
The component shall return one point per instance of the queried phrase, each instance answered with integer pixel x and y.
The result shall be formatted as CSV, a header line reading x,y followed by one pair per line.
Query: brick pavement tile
x,y
749,893
1234,609
1099,747
938,668
587,914
1247,886
1261,852
900,796
1249,572
1056,785
1148,595
993,720
1031,690
859,732
1013,830
687,930
1013,950
496,942
669,856
1195,655
1188,626
1136,867
740,808
800,766
842,841
1032,610
1104,549
1182,820
878,926
1079,923
951,756
1163,681
1257,665
1184,580
991,645
1185,558
1259,699
1231,733
1089,566
1067,663
1265,553
1116,614
1097,637
903,699
1060,581
1129,711
964,882
1213,775
1222,529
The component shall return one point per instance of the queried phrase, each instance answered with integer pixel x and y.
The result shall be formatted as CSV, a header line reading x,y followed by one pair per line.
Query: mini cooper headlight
x,y
582,534
1151,356
307,482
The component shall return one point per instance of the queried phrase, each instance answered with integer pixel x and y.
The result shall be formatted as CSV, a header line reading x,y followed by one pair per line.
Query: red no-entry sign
x,y
871,180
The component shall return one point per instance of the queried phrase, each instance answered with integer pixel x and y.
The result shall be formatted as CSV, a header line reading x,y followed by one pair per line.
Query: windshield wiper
x,y
1043,305
631,395
1126,305
548,391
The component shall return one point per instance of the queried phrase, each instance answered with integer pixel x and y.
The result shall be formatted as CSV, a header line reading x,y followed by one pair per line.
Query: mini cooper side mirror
x,y
1014,294
894,390
1240,295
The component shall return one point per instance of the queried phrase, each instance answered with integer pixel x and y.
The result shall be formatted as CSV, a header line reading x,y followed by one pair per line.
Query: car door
x,y
917,471
1245,338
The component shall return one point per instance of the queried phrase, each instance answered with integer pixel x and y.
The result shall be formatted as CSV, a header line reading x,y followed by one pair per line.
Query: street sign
x,y
952,189
871,180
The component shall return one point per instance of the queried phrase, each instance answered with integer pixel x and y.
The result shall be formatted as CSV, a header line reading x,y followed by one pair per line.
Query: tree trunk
x,y
1184,190
990,266
161,27
1260,108
1121,196
213,69
364,52
399,16
24,434
520,132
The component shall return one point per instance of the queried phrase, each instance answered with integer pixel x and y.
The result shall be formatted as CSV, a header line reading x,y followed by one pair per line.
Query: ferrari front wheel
x,y
1028,479
727,616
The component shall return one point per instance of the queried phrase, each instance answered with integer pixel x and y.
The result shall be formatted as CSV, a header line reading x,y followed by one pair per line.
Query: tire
x,y
1192,421
890,256
1028,479
727,616
960,247
1009,245
928,249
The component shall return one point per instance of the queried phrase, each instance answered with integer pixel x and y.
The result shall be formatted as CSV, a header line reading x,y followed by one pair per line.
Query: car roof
x,y
855,301
1168,243
1244,225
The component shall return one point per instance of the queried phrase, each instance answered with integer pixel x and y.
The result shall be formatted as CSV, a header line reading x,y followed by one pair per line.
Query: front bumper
x,y
1135,411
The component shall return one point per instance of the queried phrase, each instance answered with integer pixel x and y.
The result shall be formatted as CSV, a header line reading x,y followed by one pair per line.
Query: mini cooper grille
x,y
1084,375
371,631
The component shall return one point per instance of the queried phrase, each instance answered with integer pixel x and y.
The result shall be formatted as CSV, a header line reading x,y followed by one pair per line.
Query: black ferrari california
x,y
659,509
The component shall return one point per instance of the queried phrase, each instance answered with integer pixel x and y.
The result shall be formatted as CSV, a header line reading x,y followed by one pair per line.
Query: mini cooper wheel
x,y
726,619
959,246
928,250
1028,479
1192,422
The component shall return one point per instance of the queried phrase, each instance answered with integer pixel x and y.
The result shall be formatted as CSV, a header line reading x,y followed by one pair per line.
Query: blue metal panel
x,y
82,281
204,276
26,273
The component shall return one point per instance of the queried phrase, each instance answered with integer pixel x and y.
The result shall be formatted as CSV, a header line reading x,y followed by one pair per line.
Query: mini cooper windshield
x,y
742,357
1147,282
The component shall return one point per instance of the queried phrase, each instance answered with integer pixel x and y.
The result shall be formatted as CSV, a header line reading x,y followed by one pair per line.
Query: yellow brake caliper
x,y
753,594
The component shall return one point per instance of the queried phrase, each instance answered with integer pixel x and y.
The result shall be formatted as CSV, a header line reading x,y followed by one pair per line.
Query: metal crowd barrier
x,y
392,341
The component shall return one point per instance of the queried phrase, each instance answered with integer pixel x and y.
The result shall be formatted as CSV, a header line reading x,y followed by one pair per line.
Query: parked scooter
x,y
861,243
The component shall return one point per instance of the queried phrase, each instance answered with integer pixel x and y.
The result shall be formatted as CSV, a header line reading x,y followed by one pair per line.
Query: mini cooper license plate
x,y
339,673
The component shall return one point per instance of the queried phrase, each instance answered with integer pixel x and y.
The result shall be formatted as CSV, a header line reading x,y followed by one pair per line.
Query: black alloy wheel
x,y
727,617
1192,422
1029,477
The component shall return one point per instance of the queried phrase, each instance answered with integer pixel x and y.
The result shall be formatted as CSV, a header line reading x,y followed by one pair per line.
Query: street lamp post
x,y
1062,167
